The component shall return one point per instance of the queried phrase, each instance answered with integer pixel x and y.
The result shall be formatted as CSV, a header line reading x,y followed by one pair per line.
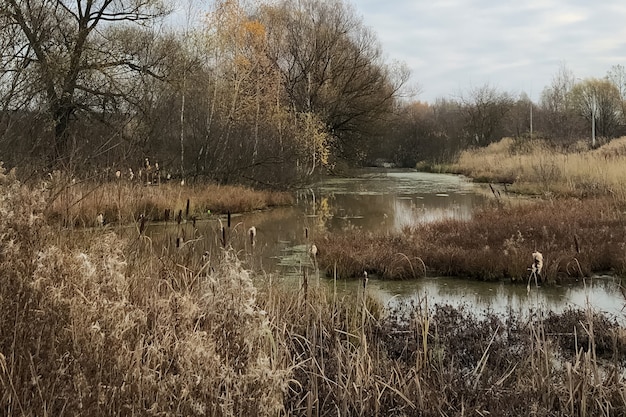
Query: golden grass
x,y
534,167
96,326
122,201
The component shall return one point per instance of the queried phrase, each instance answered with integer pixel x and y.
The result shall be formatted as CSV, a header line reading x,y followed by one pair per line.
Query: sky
x,y
515,46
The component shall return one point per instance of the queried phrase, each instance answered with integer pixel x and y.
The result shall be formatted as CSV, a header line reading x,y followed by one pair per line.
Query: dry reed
x,y
576,237
96,326
122,201
535,167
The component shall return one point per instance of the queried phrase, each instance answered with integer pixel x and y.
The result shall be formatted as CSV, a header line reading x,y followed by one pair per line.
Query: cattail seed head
x,y
252,234
537,262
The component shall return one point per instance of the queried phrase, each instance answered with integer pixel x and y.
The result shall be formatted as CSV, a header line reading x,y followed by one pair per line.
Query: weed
x,y
535,167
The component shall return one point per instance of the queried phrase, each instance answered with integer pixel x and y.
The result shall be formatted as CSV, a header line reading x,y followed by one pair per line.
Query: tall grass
x,y
576,238
87,328
536,167
122,201
96,326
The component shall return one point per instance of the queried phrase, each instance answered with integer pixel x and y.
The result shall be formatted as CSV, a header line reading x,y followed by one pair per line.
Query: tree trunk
x,y
62,114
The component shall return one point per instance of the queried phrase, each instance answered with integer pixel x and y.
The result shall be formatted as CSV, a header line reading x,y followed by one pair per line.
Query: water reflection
x,y
375,202
390,201
601,294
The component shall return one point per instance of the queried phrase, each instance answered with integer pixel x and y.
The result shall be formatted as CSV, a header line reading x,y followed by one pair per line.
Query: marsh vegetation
x,y
100,319
98,325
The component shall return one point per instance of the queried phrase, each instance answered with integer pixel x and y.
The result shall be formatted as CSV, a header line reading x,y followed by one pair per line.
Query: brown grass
x,y
100,327
123,201
95,326
576,238
535,167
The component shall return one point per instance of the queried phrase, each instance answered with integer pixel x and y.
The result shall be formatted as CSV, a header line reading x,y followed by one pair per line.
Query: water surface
x,y
381,202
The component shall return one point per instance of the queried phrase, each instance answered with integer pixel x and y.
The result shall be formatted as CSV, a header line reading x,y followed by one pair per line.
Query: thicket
x,y
246,93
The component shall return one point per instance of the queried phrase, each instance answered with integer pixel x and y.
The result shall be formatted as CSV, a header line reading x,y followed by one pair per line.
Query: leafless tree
x,y
78,55
599,99
485,109
560,120
332,66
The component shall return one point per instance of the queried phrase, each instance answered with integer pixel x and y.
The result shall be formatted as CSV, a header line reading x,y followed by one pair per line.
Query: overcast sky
x,y
513,45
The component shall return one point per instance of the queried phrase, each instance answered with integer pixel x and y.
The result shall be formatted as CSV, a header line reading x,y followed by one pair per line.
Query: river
x,y
380,201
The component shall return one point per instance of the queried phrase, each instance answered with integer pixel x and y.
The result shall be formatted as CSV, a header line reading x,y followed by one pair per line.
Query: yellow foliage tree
x,y
315,140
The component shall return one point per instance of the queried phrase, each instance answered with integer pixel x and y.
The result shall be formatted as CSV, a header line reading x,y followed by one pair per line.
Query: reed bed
x,y
98,326
535,167
576,237
122,201
93,325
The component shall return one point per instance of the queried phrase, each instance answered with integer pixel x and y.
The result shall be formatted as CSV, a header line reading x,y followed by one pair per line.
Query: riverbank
x,y
122,201
534,167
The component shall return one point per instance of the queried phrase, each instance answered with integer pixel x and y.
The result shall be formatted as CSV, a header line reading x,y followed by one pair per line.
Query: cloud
x,y
451,45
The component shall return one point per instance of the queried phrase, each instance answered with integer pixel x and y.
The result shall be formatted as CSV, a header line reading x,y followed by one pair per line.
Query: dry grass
x,y
535,167
576,238
95,326
123,201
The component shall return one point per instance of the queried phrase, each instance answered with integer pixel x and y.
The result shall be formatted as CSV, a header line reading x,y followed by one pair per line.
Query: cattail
x,y
365,279
100,219
252,233
142,224
537,263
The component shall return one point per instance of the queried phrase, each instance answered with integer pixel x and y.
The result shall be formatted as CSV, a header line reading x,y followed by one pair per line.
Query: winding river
x,y
385,201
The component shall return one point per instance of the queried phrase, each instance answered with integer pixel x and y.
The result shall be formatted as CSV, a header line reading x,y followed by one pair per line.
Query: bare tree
x,y
560,118
485,109
332,66
617,76
520,120
68,45
599,102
